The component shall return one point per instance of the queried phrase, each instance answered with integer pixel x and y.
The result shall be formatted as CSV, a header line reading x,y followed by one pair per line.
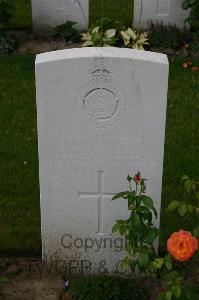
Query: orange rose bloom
x,y
182,245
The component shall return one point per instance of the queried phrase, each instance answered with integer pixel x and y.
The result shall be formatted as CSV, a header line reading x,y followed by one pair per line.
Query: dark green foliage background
x,y
118,10
167,36
21,14
106,287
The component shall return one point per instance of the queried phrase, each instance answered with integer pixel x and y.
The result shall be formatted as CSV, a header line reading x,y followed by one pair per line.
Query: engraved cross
x,y
100,195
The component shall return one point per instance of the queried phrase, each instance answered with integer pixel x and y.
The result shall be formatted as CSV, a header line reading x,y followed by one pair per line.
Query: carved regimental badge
x,y
99,102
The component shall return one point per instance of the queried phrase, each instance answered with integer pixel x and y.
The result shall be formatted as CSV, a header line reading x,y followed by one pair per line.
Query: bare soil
x,y
29,279
27,42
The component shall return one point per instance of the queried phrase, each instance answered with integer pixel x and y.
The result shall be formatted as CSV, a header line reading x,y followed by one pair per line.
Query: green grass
x,y
19,184
118,10
182,140
21,14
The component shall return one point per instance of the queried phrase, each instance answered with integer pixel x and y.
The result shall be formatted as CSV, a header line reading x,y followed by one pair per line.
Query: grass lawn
x,y
19,184
118,10
181,144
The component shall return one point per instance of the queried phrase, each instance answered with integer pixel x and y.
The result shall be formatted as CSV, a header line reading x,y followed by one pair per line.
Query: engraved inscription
x,y
101,74
99,150
99,102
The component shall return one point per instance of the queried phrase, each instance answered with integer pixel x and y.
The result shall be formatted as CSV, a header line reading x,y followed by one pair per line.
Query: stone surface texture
x,y
101,116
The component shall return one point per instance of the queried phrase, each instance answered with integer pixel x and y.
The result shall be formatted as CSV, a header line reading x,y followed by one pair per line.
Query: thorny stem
x,y
136,189
140,18
81,8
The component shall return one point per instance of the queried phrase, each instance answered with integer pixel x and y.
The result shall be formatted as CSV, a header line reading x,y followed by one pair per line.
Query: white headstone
x,y
166,11
50,13
101,116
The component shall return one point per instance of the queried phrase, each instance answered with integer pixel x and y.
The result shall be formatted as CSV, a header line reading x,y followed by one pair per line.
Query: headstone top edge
x,y
108,52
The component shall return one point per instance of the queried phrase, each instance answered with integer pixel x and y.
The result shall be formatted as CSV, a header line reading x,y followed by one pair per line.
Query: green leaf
x,y
182,210
168,265
96,29
152,236
143,188
197,196
120,195
176,291
173,205
115,228
3,280
138,203
132,33
122,265
125,262
135,222
196,232
149,219
87,44
147,201
147,215
121,222
143,260
129,178
121,226
122,230
184,177
145,209
110,33
192,2
168,295
125,35
188,185
158,263
131,198
190,208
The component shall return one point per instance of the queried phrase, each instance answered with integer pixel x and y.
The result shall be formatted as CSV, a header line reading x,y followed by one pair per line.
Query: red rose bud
x,y
137,177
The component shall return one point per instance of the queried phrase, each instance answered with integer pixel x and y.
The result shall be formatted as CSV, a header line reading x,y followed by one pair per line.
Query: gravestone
x,y
50,13
166,11
101,116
